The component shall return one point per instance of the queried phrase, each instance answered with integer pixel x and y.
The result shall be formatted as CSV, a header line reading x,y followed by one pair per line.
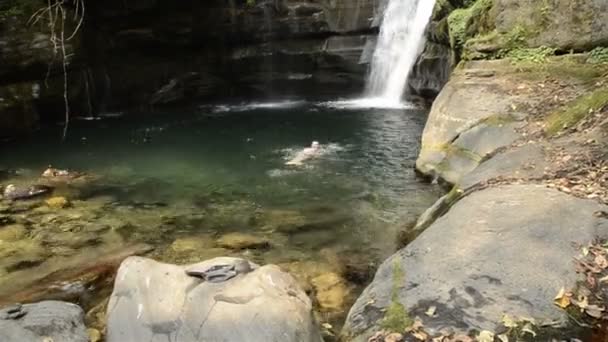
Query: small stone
x,y
57,202
191,244
239,241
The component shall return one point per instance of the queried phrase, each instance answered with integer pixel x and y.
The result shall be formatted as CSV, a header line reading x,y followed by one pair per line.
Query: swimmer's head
x,y
315,144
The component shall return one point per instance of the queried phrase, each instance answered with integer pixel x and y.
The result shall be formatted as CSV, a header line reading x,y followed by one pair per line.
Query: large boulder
x,y
44,321
562,24
481,261
472,117
159,302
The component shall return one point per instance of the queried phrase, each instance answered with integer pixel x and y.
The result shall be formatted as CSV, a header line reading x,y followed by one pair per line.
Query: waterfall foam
x,y
401,38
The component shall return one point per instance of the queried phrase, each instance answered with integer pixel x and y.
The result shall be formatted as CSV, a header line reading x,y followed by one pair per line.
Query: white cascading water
x,y
402,33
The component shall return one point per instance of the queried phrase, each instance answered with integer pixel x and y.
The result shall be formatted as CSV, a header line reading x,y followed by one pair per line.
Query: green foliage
x,y
599,55
532,55
250,3
516,38
576,111
457,23
465,23
511,45
396,317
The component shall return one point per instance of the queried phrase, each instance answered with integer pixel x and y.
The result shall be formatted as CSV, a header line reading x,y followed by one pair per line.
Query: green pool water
x,y
212,170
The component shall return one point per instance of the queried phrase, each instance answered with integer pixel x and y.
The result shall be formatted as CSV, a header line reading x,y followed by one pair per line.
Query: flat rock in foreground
x,y
159,302
503,250
44,321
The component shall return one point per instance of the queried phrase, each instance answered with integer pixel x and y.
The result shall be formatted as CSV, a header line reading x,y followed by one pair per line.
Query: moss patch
x,y
571,68
599,55
465,23
513,44
396,317
576,111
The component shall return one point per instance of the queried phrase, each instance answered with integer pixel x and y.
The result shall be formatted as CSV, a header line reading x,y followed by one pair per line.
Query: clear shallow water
x,y
221,169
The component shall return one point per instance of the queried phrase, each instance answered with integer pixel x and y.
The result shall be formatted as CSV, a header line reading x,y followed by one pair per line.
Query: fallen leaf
x,y
485,336
394,337
503,338
462,338
431,311
582,302
417,324
420,335
585,251
594,311
603,279
601,261
562,299
508,321
528,328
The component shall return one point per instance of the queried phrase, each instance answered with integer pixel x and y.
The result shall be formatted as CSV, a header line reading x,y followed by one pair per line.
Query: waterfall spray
x,y
401,38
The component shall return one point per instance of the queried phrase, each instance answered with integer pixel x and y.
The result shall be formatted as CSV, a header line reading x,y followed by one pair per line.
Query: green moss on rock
x,y
576,111
465,23
396,318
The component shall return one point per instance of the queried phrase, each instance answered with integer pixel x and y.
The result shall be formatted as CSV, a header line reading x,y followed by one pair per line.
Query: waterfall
x,y
401,36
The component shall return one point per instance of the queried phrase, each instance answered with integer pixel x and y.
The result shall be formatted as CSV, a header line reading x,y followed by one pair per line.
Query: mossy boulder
x,y
561,24
473,264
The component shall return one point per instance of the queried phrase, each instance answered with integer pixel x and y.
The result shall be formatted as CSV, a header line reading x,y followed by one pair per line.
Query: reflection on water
x,y
181,181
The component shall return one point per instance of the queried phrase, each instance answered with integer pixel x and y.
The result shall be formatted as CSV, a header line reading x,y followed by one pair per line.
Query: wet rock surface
x,y
153,302
481,260
43,321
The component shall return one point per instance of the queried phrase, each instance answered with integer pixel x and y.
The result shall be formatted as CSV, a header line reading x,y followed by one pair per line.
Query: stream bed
x,y
212,181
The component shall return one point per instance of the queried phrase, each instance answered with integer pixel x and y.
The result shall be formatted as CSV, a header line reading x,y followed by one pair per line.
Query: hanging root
x,y
55,14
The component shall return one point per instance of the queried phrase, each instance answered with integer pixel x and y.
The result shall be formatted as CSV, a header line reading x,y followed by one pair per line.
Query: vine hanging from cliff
x,y
55,15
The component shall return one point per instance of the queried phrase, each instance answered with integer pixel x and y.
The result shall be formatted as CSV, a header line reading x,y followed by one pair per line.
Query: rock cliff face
x,y
563,24
167,53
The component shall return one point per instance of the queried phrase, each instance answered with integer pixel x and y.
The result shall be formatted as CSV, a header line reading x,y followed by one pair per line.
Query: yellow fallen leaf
x,y
509,322
417,324
485,336
431,311
562,299
420,335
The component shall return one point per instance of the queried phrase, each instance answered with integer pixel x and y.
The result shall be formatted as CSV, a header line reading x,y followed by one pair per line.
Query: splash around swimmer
x,y
305,154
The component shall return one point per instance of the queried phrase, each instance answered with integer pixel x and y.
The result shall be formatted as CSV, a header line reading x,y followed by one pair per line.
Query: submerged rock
x,y
331,292
44,321
159,302
13,192
480,261
12,233
57,203
239,241
68,281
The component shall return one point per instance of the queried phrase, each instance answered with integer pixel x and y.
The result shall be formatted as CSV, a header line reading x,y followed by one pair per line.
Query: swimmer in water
x,y
305,154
